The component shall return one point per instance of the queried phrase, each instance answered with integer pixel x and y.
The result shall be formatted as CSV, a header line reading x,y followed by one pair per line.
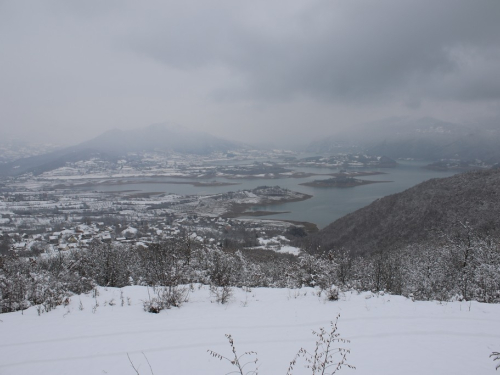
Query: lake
x,y
326,205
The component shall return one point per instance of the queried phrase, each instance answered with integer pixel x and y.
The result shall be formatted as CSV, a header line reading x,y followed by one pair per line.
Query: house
x,y
72,239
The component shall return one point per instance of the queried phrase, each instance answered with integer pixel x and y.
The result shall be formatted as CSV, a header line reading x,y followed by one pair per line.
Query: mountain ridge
x,y
111,144
424,138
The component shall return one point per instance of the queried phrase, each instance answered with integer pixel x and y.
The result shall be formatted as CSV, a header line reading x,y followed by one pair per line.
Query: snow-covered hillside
x,y
389,334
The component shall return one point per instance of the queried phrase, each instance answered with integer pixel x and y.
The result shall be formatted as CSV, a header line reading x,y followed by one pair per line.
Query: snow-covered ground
x,y
278,244
389,334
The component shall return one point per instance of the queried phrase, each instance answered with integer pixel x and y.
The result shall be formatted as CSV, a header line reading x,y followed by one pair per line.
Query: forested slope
x,y
420,214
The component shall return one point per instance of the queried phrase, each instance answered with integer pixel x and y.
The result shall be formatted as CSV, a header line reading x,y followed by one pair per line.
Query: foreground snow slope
x,y
389,334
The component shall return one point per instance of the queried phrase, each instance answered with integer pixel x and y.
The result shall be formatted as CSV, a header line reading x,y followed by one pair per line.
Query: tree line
x,y
465,266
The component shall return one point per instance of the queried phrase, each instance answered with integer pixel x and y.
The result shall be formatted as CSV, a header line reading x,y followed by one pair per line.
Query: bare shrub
x,y
327,358
165,298
235,361
222,294
332,293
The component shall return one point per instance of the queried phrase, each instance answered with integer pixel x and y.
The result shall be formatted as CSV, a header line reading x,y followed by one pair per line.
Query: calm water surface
x,y
326,205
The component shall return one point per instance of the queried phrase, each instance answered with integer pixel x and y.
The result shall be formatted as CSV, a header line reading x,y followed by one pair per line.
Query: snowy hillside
x,y
389,334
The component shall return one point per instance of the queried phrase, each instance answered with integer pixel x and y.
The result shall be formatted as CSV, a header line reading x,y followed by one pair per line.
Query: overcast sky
x,y
247,70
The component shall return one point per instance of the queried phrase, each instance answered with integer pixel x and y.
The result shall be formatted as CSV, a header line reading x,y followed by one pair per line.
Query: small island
x,y
240,202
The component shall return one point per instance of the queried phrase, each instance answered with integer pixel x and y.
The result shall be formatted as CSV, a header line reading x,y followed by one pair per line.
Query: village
x,y
235,164
68,206
34,222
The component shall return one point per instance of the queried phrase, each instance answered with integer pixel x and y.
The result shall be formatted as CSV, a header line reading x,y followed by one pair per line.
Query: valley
x,y
157,193
265,187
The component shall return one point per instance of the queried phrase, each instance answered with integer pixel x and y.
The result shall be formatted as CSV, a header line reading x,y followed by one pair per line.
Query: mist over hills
x,y
114,143
159,137
419,215
425,139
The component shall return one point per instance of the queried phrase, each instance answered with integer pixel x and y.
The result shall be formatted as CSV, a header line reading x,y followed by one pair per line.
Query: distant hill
x,y
159,137
425,138
114,143
420,214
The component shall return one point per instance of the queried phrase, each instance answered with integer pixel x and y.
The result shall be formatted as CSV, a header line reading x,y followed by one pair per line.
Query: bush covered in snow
x,y
465,267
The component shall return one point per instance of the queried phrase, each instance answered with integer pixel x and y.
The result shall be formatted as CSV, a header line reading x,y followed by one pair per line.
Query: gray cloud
x,y
73,69
339,50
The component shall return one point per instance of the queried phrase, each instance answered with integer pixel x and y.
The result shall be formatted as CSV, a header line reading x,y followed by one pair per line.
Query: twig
x,y
236,360
147,360
497,357
132,364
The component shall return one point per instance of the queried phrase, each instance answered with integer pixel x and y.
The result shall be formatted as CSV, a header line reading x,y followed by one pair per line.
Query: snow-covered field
x,y
389,334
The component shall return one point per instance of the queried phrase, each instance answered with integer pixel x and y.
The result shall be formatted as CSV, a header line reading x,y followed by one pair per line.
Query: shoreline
x,y
118,183
337,184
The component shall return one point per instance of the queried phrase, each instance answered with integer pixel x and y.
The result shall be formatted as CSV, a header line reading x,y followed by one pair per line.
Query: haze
x,y
256,71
